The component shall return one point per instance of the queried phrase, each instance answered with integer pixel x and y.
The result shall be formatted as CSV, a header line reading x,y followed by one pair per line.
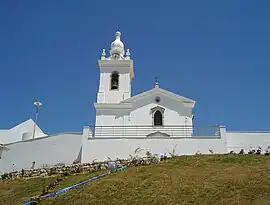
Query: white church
x,y
157,121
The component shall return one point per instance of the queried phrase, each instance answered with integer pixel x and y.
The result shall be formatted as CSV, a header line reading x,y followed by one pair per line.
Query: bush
x,y
65,174
5,176
76,161
60,164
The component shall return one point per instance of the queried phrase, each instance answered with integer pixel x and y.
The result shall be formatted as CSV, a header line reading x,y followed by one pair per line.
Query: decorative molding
x,y
158,134
158,91
122,64
154,109
118,106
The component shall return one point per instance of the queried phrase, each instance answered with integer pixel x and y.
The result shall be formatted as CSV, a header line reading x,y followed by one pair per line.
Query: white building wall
x,y
140,119
121,147
109,119
245,140
143,116
62,148
106,95
67,147
102,148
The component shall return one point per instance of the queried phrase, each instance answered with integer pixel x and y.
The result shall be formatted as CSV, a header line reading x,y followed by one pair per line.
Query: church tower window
x,y
114,80
158,118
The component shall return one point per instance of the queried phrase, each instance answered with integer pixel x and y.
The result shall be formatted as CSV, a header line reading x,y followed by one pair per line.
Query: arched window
x,y
158,118
114,80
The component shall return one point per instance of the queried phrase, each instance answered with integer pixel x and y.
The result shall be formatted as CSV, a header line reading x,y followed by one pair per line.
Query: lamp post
x,y
37,104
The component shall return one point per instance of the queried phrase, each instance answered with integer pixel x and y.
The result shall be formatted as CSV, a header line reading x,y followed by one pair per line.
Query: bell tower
x,y
116,73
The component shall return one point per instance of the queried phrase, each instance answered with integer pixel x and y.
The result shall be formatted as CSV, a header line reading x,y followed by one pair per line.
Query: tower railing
x,y
153,131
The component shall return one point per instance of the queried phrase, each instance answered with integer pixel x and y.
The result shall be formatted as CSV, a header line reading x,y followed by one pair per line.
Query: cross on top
x,y
156,83
156,79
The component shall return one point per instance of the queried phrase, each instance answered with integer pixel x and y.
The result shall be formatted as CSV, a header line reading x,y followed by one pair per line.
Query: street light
x,y
37,104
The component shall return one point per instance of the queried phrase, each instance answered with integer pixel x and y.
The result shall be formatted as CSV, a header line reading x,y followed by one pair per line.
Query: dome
x,y
117,46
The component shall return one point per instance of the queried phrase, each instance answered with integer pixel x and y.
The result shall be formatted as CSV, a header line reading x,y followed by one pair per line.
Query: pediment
x,y
161,93
166,101
158,134
154,109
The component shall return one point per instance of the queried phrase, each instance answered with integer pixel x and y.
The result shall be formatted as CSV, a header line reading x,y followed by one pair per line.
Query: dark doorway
x,y
158,118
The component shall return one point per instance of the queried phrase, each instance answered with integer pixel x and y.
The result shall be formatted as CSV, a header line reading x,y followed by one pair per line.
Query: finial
x,y
117,35
103,54
117,48
156,83
128,54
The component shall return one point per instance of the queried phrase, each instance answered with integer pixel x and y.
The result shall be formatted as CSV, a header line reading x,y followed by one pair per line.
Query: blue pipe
x,y
78,184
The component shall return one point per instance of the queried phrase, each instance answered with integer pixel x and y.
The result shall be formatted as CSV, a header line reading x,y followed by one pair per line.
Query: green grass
x,y
212,179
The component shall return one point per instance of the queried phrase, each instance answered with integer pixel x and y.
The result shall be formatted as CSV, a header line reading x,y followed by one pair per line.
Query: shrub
x,y
148,154
76,161
66,173
5,176
60,164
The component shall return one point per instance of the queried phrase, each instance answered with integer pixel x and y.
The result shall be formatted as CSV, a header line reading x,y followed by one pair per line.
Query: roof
x,y
15,133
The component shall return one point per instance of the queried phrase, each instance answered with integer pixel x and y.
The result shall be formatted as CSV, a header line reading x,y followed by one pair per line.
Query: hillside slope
x,y
212,179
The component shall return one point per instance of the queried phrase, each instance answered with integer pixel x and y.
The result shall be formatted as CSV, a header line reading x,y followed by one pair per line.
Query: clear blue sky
x,y
215,52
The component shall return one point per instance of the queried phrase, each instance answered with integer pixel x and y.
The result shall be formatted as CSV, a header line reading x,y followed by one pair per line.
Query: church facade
x,y
156,121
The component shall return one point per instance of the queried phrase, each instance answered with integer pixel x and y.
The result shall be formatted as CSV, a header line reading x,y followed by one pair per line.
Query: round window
x,y
157,99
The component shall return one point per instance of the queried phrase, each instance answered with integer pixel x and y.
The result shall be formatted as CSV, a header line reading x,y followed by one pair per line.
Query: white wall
x,y
3,134
101,148
111,118
142,116
67,147
106,95
121,148
245,140
62,148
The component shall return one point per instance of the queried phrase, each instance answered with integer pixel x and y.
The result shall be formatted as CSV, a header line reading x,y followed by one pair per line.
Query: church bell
x,y
114,85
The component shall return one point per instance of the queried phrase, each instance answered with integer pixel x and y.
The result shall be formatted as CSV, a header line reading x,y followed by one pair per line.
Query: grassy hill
x,y
211,179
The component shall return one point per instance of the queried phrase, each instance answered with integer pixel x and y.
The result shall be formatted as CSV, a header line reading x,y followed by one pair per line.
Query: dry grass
x,y
213,179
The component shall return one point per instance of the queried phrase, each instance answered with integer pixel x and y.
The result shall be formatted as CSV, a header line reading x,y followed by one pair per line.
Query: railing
x,y
154,131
